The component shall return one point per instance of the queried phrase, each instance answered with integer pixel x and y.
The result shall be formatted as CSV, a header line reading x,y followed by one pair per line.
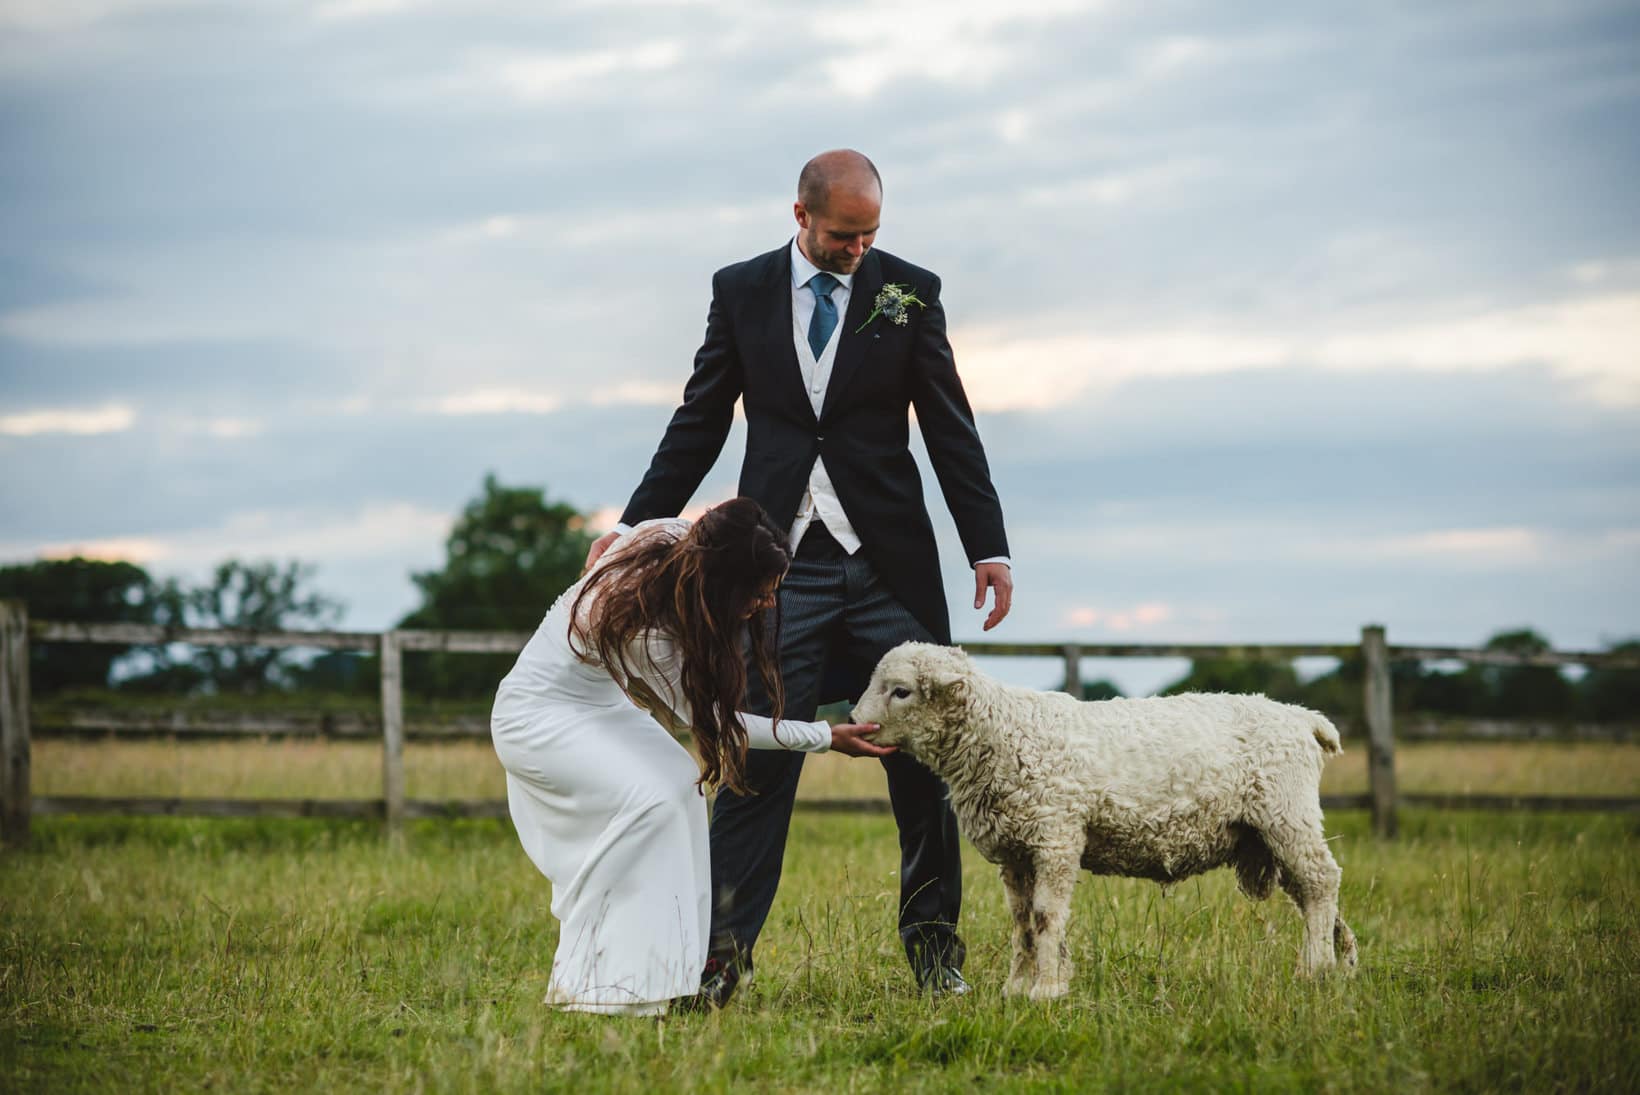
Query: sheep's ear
x,y
948,682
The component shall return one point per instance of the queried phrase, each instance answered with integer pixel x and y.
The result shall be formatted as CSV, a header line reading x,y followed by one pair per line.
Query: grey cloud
x,y
28,280
229,142
1413,450
201,378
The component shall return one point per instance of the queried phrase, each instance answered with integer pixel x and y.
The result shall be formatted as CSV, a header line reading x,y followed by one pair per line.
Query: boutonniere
x,y
893,303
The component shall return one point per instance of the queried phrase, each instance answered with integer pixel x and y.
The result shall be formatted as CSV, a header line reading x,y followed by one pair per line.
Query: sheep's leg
x,y
1050,912
1310,876
1316,953
1019,881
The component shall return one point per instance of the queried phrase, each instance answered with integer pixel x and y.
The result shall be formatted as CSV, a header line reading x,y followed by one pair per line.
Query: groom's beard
x,y
832,262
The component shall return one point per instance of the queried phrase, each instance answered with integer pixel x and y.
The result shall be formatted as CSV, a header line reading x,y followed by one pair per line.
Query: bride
x,y
606,802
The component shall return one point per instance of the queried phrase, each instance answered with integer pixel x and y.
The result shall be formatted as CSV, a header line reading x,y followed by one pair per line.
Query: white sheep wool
x,y
1045,785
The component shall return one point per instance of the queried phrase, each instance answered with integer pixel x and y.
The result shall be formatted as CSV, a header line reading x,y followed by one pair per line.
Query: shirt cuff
x,y
1003,559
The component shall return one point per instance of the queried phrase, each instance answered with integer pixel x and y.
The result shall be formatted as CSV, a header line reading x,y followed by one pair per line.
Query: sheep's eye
x,y
901,693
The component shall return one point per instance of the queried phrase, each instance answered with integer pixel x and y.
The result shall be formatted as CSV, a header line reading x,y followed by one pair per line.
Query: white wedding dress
x,y
605,804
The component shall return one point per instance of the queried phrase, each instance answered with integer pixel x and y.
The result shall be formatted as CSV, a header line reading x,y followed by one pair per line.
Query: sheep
x,y
1162,788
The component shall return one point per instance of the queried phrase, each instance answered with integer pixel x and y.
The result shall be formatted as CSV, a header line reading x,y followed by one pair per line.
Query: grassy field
x,y
1497,952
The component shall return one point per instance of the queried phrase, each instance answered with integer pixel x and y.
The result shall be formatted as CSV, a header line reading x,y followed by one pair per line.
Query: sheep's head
x,y
914,692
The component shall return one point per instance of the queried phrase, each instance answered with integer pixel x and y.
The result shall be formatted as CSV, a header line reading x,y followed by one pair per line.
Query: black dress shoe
x,y
943,981
717,984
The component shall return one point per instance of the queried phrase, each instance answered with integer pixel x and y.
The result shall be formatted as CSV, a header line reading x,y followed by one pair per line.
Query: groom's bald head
x,y
839,201
840,171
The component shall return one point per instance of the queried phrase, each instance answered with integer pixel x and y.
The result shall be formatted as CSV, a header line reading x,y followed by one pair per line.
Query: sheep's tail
x,y
1326,734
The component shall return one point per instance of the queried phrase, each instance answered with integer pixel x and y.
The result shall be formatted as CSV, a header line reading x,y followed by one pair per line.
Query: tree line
x,y
513,551
509,555
1473,691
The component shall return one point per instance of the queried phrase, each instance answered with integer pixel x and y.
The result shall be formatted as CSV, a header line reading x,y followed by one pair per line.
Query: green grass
x,y
1497,951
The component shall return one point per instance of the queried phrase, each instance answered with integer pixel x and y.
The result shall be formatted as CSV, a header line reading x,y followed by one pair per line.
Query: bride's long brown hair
x,y
706,590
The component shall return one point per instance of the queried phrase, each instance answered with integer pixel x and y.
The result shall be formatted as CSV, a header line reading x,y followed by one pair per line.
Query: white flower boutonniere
x,y
893,303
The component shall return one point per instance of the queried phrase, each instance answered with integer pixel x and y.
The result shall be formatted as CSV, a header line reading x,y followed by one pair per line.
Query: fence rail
x,y
17,804
84,721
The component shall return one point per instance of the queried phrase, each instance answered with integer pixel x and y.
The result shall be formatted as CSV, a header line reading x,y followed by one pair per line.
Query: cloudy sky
x,y
1279,318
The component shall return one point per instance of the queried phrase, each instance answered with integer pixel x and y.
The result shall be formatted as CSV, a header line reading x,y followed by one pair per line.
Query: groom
x,y
827,360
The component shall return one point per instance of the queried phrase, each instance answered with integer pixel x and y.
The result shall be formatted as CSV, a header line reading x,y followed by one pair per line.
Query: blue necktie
x,y
825,312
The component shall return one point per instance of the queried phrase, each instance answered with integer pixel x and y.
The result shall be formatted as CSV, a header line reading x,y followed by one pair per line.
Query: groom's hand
x,y
853,738
998,577
599,546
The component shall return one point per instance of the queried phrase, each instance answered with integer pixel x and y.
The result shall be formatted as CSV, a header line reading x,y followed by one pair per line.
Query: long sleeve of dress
x,y
657,687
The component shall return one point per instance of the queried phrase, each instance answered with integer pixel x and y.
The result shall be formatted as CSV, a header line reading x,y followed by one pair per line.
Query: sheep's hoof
x,y
1017,986
1049,990
1344,947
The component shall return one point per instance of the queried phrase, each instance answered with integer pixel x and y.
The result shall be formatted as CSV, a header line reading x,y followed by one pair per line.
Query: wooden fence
x,y
17,804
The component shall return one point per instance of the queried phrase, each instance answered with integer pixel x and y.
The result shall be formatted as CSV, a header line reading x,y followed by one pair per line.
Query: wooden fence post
x,y
1073,669
1376,705
16,801
393,732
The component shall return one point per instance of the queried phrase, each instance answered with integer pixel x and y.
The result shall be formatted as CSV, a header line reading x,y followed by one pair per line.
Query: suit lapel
x,y
776,304
851,347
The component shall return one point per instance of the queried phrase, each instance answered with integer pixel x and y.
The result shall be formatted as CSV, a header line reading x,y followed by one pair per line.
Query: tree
x,y
1523,691
1434,692
1412,687
1611,694
1275,679
1338,691
508,558
264,596
340,672
82,591
1100,690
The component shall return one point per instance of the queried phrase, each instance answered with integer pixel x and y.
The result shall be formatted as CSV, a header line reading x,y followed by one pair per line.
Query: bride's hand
x,y
599,546
853,738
